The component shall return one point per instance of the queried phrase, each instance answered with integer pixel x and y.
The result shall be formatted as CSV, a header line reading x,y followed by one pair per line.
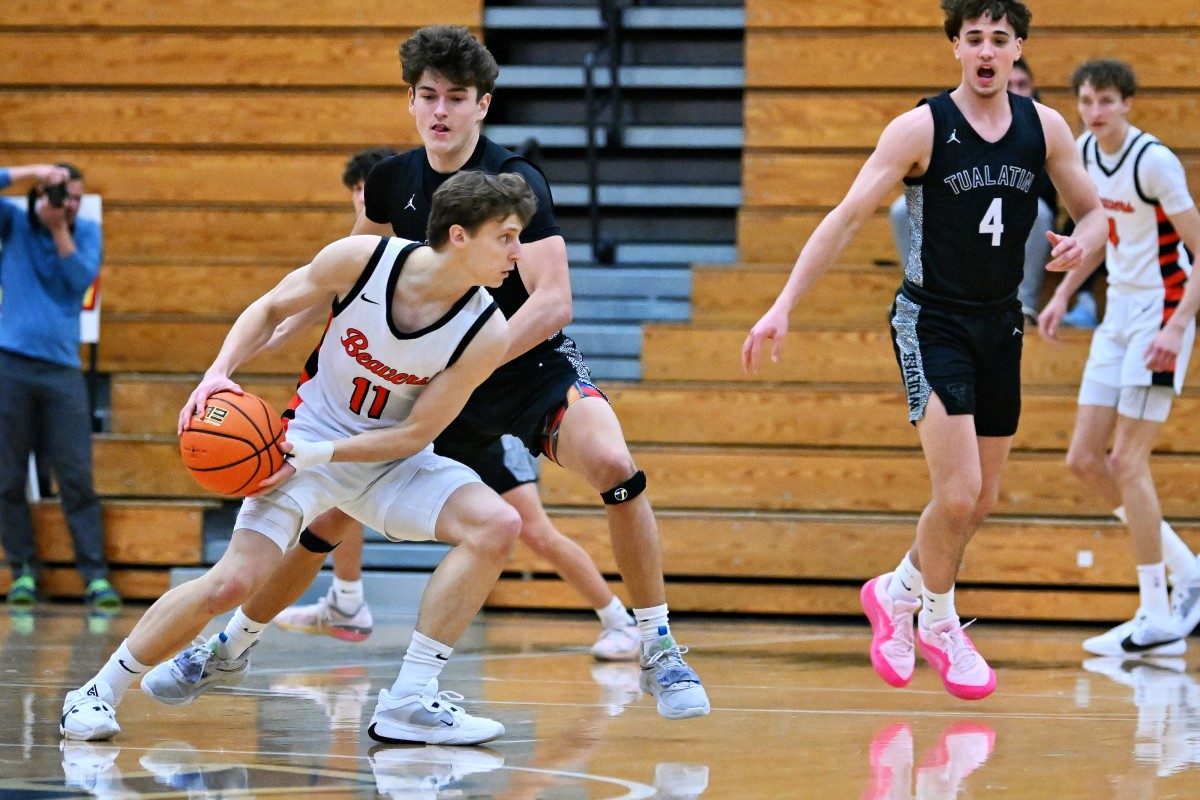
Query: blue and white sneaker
x,y
203,666
675,685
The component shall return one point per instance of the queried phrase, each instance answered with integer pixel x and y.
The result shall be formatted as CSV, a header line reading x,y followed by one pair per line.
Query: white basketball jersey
x,y
1144,250
366,374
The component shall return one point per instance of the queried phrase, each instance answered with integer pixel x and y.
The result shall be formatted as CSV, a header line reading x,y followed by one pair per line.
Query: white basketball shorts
x,y
400,499
1117,356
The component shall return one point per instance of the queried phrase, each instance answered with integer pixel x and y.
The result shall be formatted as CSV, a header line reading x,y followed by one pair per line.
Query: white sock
x,y
423,662
241,632
906,582
614,614
347,595
936,606
121,670
1178,557
1152,589
652,624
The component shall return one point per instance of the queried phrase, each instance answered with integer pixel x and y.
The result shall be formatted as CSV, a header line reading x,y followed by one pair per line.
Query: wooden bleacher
x,y
794,487
216,136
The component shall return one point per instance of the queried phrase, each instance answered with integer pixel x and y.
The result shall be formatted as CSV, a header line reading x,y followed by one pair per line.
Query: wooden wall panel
x,y
783,120
150,403
173,345
174,58
213,235
856,481
782,180
1051,605
64,118
889,14
879,58
159,176
363,14
822,355
786,546
776,235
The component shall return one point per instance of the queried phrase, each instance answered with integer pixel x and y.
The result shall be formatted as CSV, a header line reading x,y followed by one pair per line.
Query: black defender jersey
x,y
971,212
399,192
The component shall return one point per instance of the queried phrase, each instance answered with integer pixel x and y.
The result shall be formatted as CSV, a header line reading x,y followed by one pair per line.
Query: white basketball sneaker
x,y
88,714
428,718
1141,636
618,644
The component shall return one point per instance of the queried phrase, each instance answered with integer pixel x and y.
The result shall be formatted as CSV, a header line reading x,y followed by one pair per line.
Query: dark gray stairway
x,y
668,152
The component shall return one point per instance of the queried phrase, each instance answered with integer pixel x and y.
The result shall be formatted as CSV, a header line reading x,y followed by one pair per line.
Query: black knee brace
x,y
315,544
626,490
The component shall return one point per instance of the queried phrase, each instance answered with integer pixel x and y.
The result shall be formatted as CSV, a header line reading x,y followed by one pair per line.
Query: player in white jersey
x,y
1140,352
410,337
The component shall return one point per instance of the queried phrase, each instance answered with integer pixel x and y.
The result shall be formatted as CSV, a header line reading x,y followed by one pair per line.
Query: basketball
x,y
232,443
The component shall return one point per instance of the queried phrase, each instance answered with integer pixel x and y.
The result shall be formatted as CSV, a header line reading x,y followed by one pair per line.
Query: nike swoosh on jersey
x,y
369,300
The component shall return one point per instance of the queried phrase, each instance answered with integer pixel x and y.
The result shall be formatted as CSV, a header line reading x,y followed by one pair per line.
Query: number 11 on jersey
x,y
361,387
992,222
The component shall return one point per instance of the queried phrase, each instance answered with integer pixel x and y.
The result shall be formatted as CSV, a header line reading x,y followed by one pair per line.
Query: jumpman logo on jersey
x,y
410,204
953,137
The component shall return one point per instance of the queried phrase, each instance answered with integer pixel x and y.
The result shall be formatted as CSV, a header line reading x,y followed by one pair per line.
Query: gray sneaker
x,y
428,717
1185,604
674,684
194,671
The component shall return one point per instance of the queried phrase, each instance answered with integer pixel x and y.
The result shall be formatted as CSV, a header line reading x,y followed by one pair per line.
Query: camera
x,y
57,194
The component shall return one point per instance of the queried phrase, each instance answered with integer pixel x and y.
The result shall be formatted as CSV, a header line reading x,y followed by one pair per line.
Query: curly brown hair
x,y
452,51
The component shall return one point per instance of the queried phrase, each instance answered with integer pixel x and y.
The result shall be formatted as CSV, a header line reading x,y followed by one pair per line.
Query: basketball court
x,y
797,713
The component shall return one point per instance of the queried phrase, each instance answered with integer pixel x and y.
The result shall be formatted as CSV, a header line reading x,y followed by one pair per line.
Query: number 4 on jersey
x,y
992,222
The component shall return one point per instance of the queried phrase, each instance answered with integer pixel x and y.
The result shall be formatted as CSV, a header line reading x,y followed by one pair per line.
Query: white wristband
x,y
310,454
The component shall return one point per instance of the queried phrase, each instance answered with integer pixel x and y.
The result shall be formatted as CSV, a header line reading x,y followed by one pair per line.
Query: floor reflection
x,y
963,747
1167,735
797,713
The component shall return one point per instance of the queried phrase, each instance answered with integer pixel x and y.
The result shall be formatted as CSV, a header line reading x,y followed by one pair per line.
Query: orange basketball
x,y
232,443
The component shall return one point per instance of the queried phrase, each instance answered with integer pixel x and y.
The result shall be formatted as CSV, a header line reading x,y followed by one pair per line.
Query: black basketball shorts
x,y
515,400
972,361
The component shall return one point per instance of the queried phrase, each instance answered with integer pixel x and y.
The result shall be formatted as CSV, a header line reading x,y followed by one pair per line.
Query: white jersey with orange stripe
x,y
366,374
1140,186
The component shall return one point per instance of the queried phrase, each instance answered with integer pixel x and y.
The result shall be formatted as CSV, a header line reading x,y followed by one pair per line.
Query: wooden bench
x,y
813,564
143,539
720,478
829,355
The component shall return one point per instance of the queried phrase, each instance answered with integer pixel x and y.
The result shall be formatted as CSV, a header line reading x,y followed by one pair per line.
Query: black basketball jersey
x,y
971,212
399,192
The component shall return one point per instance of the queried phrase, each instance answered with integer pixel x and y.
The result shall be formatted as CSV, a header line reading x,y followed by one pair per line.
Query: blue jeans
x,y
39,399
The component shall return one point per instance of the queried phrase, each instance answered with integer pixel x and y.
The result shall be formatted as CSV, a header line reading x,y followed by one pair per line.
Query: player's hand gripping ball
x,y
232,444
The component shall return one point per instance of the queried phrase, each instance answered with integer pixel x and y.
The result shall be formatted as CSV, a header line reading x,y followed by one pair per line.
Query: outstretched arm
x,y
904,149
331,273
